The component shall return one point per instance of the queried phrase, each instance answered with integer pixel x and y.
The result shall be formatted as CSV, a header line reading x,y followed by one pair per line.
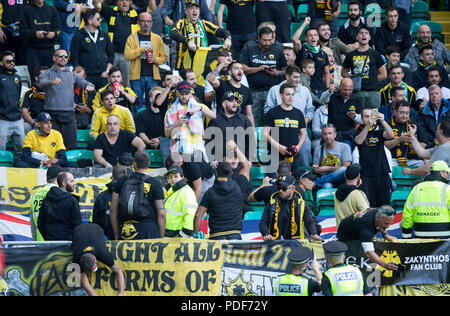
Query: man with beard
x,y
441,53
233,84
397,94
44,146
402,151
368,65
347,32
335,44
11,122
59,84
393,59
231,119
60,212
191,32
263,63
144,71
434,77
114,142
427,61
320,81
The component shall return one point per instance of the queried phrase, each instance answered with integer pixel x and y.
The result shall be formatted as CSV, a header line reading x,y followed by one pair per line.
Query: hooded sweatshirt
x,y
59,215
224,202
60,97
348,200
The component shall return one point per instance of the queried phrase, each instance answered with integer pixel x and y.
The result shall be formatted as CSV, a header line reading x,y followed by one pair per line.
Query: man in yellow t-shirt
x,y
109,106
44,146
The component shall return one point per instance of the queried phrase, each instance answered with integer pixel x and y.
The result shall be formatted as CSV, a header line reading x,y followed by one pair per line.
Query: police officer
x,y
426,209
341,279
295,284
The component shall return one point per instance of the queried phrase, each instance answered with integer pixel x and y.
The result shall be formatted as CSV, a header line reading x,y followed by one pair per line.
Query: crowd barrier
x,y
189,267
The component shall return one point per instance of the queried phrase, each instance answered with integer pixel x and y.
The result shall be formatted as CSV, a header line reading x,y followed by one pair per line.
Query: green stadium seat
x,y
398,199
327,211
257,175
419,10
6,158
155,158
404,182
256,215
302,12
325,199
83,138
294,28
74,155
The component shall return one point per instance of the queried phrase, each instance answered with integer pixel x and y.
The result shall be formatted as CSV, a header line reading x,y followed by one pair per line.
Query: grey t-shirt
x,y
441,152
332,157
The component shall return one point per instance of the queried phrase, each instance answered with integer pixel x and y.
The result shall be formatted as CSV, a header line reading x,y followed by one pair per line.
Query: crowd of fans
x,y
367,95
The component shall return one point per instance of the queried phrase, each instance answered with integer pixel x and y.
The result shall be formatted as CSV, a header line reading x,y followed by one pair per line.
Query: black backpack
x,y
133,202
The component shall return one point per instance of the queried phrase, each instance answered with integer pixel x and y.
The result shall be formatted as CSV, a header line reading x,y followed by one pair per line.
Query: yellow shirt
x,y
98,124
48,145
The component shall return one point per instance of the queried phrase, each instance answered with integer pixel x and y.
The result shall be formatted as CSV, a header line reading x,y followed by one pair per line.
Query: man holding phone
x,y
41,27
375,169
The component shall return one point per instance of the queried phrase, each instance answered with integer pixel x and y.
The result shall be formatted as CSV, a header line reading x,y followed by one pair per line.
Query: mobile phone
x,y
273,66
187,116
375,114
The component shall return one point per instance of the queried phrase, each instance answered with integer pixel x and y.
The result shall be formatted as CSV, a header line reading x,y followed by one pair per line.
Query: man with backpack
x,y
137,204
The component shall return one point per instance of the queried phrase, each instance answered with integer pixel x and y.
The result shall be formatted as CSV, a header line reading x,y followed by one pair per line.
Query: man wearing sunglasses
x,y
58,83
287,216
11,122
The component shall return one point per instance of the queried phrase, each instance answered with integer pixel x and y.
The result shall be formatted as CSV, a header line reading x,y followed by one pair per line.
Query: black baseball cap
x,y
304,173
175,169
352,171
53,171
286,180
126,159
228,96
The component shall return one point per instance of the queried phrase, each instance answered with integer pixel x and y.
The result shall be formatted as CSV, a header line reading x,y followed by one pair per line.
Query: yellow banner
x,y
172,267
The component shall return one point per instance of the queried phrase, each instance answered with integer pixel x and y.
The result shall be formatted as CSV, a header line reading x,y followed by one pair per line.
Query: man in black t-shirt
x,y
363,226
240,22
242,93
89,246
150,122
367,64
224,201
291,127
153,225
263,64
370,138
110,144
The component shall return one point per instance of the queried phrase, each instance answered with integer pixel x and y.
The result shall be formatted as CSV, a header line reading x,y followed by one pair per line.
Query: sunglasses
x,y
62,56
10,61
283,188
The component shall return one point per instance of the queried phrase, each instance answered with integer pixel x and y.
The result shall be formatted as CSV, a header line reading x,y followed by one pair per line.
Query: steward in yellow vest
x,y
427,207
181,205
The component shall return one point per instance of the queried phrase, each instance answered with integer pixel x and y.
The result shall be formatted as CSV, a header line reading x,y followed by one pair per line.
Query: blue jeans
x,y
327,181
142,88
65,38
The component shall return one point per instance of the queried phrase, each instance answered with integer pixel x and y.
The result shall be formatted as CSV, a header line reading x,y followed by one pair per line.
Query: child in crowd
x,y
308,70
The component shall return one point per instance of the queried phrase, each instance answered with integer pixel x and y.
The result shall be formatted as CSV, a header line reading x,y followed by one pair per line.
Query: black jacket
x,y
384,37
59,215
10,88
94,57
347,32
100,213
45,18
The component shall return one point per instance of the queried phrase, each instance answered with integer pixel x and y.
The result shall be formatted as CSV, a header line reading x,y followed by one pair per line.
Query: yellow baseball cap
x,y
440,165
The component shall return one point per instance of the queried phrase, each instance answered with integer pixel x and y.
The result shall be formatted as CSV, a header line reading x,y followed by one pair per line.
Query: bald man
x,y
146,52
441,53
344,110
